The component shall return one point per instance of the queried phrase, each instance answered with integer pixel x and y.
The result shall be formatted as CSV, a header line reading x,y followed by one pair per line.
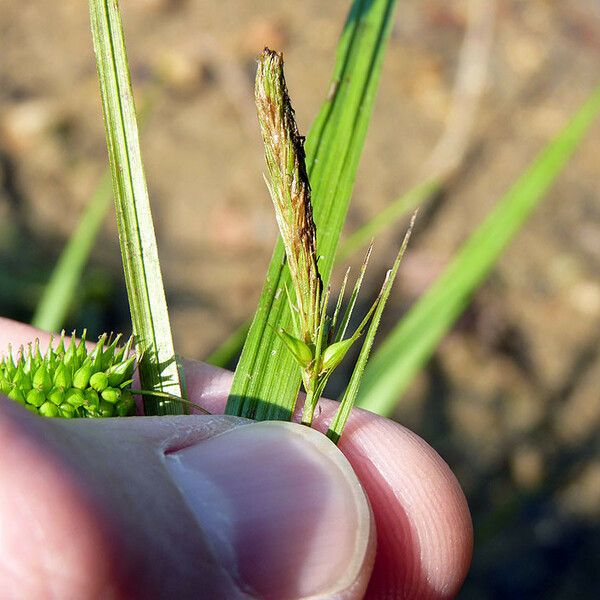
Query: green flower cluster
x,y
70,382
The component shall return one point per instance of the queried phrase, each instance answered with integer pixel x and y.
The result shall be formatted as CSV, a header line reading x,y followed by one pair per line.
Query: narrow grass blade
x,y
343,412
61,288
158,366
416,336
58,294
267,379
224,355
338,304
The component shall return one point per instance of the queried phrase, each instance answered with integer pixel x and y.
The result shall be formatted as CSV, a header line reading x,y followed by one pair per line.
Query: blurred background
x,y
512,397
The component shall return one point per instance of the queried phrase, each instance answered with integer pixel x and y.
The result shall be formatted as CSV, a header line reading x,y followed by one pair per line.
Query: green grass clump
x,y
293,339
68,381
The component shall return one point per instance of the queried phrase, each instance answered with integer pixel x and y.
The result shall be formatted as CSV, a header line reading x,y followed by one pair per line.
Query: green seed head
x,y
68,381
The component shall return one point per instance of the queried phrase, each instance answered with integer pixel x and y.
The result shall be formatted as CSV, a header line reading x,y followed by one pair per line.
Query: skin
x,y
121,508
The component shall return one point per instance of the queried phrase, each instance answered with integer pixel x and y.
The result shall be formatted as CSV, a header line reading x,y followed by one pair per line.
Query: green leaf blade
x,y
61,288
158,366
416,336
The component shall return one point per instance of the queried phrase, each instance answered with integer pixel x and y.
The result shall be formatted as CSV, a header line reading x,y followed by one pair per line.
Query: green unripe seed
x,y
37,357
67,411
16,394
99,381
96,354
81,349
109,353
9,364
81,378
42,380
56,396
62,377
106,409
60,349
301,351
22,380
49,410
121,372
35,397
70,357
75,397
5,386
32,408
334,354
91,398
111,395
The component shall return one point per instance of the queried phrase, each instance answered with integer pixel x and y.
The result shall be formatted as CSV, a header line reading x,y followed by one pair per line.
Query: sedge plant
x,y
295,337
316,340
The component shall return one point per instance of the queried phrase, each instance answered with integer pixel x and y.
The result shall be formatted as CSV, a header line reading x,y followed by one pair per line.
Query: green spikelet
x,y
68,381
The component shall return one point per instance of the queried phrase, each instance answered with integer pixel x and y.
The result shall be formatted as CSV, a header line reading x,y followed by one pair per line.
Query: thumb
x,y
282,507
180,507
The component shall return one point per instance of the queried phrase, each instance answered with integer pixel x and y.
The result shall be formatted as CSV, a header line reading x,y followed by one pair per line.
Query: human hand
x,y
220,507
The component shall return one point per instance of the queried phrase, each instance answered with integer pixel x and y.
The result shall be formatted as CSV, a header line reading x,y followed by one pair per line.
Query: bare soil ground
x,y
511,398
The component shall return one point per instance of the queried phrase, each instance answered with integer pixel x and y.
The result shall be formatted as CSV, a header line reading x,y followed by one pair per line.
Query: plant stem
x,y
312,397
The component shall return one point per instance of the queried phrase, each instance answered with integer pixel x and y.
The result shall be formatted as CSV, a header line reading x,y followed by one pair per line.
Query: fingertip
x,y
424,529
425,535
